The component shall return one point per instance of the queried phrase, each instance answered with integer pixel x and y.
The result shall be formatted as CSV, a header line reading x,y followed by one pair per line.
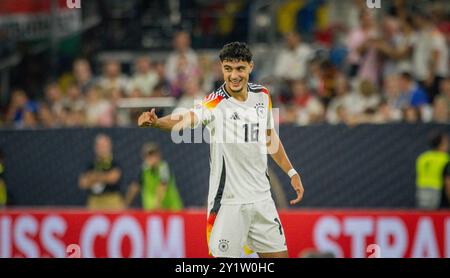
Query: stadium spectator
x,y
155,182
363,55
444,91
395,47
47,119
430,58
54,100
145,78
183,60
99,111
413,95
291,63
191,93
163,83
112,77
102,177
83,75
430,172
74,117
411,115
74,98
364,102
21,110
309,108
3,189
440,110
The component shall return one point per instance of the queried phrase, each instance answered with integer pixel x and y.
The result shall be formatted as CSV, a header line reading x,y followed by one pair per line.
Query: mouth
x,y
235,83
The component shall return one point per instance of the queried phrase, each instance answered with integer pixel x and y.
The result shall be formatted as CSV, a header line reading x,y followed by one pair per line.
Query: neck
x,y
241,95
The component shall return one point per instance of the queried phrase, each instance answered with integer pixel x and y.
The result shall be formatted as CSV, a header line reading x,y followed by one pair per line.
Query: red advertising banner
x,y
32,19
344,233
8,7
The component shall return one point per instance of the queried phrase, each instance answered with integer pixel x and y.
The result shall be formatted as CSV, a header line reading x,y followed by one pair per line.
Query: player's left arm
x,y
276,150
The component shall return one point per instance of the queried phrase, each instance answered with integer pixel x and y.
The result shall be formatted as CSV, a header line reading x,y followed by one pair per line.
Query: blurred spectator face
x,y
366,88
342,114
116,94
152,159
161,70
135,93
411,115
93,95
103,146
390,26
299,88
112,69
159,91
73,92
82,70
29,119
182,41
445,87
392,86
341,85
74,118
440,110
143,65
292,40
19,99
45,116
53,93
420,20
404,84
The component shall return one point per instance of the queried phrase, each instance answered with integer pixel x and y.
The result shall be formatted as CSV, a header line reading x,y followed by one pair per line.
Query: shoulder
x,y
211,100
256,88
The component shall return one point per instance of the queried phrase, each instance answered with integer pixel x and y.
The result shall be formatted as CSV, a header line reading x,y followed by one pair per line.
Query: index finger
x,y
296,200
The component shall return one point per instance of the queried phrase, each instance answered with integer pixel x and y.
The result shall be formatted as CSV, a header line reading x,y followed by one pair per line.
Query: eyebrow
x,y
237,67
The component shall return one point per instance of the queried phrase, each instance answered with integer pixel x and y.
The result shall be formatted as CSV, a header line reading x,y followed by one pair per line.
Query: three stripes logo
x,y
235,116
279,225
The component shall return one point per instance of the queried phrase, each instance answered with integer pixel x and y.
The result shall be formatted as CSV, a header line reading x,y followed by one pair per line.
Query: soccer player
x,y
238,115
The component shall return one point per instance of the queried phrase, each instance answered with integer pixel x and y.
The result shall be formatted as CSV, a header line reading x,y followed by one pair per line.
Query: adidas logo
x,y
235,116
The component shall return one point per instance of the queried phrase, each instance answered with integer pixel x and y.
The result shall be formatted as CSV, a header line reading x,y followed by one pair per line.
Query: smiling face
x,y
236,74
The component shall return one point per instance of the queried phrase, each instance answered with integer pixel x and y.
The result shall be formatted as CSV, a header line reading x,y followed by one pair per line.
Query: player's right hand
x,y
148,119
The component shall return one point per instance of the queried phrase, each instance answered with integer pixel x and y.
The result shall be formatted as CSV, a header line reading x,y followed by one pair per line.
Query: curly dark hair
x,y
236,51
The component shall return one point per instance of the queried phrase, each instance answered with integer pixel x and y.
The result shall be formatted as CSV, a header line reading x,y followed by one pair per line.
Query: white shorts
x,y
255,225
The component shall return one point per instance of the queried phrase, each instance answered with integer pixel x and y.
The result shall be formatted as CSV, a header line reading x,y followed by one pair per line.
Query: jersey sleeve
x,y
270,121
203,110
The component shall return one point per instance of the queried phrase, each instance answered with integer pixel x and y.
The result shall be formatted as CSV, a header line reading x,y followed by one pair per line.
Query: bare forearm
x,y
278,153
175,122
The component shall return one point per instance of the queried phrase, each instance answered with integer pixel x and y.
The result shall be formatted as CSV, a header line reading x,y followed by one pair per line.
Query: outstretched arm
x,y
177,121
276,150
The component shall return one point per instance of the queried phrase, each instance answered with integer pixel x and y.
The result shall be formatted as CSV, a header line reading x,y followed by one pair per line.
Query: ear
x,y
251,66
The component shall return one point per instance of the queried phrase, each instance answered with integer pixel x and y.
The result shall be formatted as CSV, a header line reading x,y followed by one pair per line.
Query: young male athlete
x,y
238,115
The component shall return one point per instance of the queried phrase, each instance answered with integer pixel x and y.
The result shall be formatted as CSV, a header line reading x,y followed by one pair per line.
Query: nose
x,y
234,75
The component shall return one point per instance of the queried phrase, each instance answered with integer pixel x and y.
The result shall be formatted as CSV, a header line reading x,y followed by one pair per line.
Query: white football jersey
x,y
238,151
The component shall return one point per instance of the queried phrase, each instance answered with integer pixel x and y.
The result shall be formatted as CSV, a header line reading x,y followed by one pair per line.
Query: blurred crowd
x,y
377,68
